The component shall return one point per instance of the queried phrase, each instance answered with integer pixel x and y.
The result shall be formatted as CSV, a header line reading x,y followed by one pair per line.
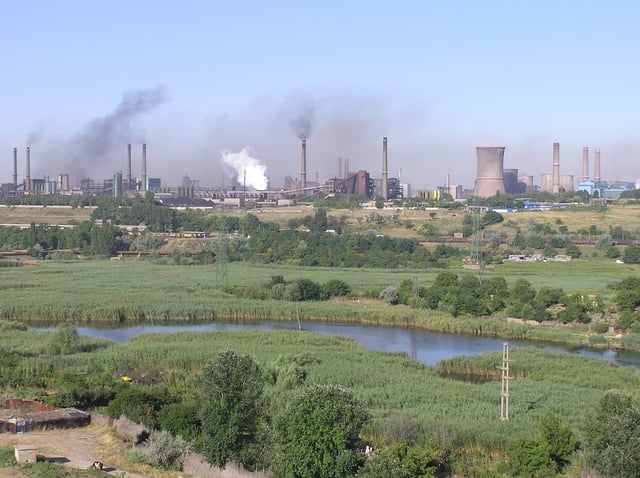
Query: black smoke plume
x,y
107,133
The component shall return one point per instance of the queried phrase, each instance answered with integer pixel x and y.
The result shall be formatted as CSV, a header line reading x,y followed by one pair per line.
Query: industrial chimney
x,y
490,179
385,172
346,168
27,180
585,164
339,176
144,167
15,168
303,166
596,174
129,167
555,186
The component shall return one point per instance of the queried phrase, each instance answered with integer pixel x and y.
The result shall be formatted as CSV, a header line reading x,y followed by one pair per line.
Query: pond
x,y
426,347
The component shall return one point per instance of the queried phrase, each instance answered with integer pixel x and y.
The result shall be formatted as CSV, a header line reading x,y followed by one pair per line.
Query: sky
x,y
198,80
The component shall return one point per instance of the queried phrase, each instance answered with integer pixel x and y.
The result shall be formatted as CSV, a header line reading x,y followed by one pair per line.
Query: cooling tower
x,y
525,183
303,166
129,167
15,168
144,167
490,179
385,172
566,183
555,188
510,181
546,183
596,174
27,179
585,164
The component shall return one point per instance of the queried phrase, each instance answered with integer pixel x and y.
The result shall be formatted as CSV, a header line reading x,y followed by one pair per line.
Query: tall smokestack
x,y
555,186
27,179
129,167
385,172
585,164
596,174
303,166
346,168
15,168
339,176
144,167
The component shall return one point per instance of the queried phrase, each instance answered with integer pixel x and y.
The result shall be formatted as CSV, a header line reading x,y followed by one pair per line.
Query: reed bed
x,y
387,383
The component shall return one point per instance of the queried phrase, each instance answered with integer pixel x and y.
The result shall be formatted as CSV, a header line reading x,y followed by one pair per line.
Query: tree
x,y
631,255
560,440
529,458
318,434
231,393
612,436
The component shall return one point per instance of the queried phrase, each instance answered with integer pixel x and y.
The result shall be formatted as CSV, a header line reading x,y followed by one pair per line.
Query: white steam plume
x,y
243,163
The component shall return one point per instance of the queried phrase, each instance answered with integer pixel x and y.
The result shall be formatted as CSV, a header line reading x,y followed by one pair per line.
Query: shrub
x,y
391,295
334,288
163,450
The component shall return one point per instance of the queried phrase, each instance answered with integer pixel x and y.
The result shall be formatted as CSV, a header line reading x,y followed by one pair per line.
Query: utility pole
x,y
222,258
504,394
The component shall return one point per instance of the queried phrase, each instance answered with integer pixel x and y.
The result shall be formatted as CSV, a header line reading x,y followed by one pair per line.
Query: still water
x,y
425,347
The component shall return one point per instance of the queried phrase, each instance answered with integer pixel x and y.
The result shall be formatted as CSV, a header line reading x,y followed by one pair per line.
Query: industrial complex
x,y
492,178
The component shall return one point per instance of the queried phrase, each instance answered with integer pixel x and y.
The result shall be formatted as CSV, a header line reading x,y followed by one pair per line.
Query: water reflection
x,y
425,347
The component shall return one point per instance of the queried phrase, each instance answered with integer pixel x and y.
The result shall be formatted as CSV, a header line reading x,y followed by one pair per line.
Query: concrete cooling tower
x,y
490,179
566,183
525,183
546,183
510,181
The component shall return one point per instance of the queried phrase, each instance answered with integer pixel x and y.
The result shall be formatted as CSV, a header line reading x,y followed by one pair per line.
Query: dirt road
x,y
79,448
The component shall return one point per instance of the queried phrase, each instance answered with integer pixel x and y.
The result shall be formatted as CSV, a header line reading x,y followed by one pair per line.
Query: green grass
x,y
387,383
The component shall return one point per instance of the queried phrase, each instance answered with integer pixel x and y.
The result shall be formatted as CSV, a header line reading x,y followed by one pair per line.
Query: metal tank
x,y
490,179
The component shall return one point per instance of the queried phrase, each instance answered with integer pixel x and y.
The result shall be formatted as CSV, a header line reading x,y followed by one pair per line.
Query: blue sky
x,y
437,78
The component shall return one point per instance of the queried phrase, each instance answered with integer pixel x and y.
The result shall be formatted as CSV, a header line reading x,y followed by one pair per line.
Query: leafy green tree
x,y
180,419
139,403
560,440
529,458
631,255
317,435
612,436
522,291
334,288
231,395
573,251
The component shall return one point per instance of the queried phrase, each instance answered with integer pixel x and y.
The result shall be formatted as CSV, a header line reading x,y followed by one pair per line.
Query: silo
x,y
566,183
525,183
546,183
510,181
490,179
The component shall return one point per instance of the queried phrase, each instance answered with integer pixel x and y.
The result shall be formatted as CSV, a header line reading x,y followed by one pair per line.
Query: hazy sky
x,y
81,79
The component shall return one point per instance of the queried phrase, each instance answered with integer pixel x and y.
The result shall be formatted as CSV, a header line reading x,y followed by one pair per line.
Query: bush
x,y
163,450
180,419
334,288
139,403
391,295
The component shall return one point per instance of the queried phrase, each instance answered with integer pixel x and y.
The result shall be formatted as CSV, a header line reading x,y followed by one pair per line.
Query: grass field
x,y
53,215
